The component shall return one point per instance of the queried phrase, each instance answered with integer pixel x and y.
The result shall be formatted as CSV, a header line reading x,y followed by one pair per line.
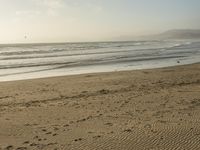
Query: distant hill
x,y
181,34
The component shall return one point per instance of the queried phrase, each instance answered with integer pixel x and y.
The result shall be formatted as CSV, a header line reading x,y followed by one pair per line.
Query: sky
x,y
30,21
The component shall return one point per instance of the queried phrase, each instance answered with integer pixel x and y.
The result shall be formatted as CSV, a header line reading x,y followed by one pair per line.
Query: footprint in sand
x,y
49,133
103,91
109,124
55,129
127,130
44,130
26,142
22,148
96,137
10,147
35,137
79,139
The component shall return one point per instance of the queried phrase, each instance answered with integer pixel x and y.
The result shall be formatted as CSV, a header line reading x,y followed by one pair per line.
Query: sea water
x,y
27,61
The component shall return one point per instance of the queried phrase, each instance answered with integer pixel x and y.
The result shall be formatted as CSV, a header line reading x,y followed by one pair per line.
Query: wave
x,y
116,59
75,54
35,59
9,50
63,53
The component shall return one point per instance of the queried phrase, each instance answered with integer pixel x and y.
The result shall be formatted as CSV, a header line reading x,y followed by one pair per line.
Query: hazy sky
x,y
92,20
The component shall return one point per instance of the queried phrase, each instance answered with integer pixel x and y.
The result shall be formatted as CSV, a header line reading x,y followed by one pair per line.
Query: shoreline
x,y
43,61
96,73
138,109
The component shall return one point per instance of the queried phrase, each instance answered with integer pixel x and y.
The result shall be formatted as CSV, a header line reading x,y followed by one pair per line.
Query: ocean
x,y
28,61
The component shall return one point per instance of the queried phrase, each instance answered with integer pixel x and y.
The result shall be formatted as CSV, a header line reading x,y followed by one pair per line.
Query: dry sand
x,y
156,109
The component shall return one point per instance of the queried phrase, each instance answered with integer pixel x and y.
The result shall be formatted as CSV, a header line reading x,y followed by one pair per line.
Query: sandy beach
x,y
155,109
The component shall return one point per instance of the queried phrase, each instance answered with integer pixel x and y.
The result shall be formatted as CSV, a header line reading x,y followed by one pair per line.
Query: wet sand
x,y
156,109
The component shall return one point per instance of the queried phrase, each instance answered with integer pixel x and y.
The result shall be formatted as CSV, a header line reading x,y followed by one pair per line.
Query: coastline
x,y
42,61
106,71
141,109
